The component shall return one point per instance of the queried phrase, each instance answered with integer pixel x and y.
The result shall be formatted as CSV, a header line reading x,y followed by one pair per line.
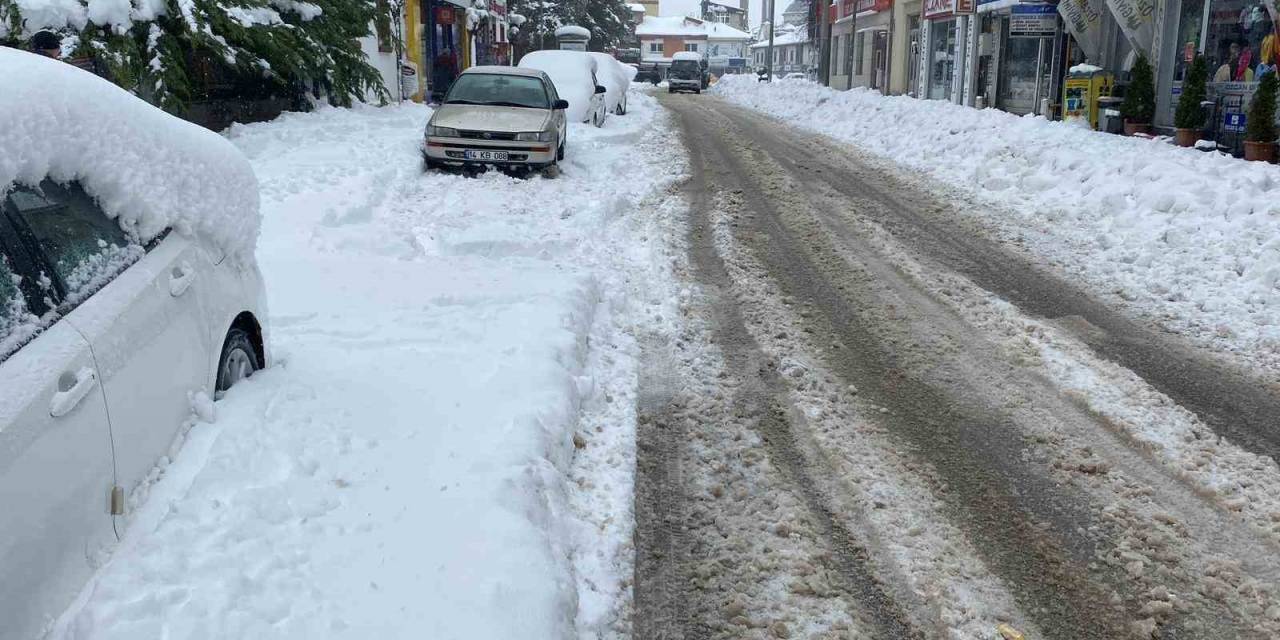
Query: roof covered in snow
x,y
573,30
147,169
670,26
722,31
799,36
689,28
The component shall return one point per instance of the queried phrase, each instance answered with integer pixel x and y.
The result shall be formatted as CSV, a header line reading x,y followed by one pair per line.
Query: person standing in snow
x,y
48,44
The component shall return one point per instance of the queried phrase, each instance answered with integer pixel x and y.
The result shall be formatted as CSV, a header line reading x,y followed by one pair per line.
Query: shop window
x,y
857,53
1237,38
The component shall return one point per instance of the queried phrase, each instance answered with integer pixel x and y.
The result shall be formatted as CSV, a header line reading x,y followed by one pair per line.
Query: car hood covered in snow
x,y
147,169
485,118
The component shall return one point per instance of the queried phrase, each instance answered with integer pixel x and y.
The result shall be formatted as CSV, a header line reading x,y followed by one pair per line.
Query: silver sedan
x,y
503,116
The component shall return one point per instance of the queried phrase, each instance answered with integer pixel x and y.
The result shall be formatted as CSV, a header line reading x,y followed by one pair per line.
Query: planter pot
x,y
1131,128
1186,137
1259,151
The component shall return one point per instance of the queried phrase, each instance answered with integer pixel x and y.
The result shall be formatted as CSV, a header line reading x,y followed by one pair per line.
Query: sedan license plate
x,y
496,156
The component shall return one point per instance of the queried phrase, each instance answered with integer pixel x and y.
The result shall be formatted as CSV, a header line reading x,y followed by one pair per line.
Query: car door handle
x,y
180,278
72,388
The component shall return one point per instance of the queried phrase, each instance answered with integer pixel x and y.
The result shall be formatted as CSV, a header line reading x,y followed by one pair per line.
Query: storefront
x,y
1238,39
1019,54
870,55
945,39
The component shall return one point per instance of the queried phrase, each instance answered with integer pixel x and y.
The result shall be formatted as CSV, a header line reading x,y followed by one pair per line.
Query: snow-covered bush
x,y
169,51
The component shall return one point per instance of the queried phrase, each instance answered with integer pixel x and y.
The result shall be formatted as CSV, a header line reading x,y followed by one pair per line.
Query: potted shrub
x,y
1189,117
1139,106
1260,126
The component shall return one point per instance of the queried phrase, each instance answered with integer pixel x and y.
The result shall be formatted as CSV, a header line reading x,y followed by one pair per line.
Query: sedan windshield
x,y
499,90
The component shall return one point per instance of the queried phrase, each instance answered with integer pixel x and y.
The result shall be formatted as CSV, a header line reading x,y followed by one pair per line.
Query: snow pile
x,y
573,30
571,72
1190,239
149,170
446,447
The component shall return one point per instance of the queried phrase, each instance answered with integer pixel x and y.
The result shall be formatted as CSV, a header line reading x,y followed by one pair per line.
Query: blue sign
x,y
1233,122
1033,9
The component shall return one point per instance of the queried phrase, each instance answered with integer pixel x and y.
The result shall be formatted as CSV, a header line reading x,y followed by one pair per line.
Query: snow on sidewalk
x,y
1188,239
408,468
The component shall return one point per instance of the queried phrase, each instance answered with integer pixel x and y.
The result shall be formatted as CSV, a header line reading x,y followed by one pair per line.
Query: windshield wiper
x,y
461,101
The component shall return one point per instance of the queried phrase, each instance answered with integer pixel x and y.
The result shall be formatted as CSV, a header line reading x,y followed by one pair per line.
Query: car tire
x,y
238,361
670,90
560,151
622,107
698,91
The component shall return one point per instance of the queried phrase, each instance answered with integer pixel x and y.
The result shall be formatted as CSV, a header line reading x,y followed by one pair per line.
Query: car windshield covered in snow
x,y
499,90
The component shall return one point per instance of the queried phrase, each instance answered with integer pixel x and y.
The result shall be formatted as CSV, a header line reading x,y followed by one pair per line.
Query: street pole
x,y
824,43
772,16
853,41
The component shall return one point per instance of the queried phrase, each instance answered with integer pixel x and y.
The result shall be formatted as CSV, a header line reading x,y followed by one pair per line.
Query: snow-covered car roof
x,y
147,169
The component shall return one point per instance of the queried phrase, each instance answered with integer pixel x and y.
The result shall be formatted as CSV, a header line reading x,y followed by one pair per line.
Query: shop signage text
x,y
1083,18
947,8
1137,19
1033,21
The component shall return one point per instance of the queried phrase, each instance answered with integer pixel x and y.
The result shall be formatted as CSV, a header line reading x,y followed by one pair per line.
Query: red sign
x,y
846,7
444,15
831,13
874,5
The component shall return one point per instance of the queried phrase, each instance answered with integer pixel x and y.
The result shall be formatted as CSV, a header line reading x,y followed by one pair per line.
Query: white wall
x,y
385,63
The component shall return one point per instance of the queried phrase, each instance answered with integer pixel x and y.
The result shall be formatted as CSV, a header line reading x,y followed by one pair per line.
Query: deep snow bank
x,y
1189,239
410,470
147,168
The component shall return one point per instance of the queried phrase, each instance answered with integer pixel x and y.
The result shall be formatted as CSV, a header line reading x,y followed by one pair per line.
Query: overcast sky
x,y
687,7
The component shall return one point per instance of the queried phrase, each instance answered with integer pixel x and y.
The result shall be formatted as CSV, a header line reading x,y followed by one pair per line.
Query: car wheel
x,y
622,107
239,360
670,90
560,152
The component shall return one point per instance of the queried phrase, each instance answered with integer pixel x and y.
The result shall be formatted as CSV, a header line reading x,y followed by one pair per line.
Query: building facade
x,y
444,37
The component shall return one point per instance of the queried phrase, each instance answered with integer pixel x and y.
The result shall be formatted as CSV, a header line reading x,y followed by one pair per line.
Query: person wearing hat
x,y
47,43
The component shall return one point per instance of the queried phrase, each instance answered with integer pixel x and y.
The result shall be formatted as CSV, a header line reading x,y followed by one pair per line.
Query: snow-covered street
x,y
769,362
408,468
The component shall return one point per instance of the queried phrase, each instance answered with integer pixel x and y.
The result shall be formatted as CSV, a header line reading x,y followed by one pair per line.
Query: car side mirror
x,y
599,89
560,104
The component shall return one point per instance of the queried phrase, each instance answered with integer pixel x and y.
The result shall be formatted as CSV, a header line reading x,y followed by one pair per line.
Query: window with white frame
x,y
655,47
691,46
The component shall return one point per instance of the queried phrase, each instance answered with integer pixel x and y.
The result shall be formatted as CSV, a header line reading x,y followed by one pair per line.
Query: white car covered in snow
x,y
575,76
129,296
616,78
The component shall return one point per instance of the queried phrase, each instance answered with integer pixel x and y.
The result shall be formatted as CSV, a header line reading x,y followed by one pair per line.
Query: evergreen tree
x,y
1140,96
1189,114
609,22
280,45
1261,124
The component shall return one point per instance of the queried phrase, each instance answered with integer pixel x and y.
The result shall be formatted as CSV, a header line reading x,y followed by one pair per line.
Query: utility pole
x,y
772,16
824,43
853,40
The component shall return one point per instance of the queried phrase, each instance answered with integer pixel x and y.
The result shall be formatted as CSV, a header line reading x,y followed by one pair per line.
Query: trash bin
x,y
1109,118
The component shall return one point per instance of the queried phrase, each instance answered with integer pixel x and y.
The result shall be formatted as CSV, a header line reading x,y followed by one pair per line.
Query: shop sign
x,y
444,15
947,8
873,6
1233,122
1137,19
846,7
1083,18
498,7
1033,21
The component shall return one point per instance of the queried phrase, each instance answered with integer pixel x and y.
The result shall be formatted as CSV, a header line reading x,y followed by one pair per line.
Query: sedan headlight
x,y
534,136
441,132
